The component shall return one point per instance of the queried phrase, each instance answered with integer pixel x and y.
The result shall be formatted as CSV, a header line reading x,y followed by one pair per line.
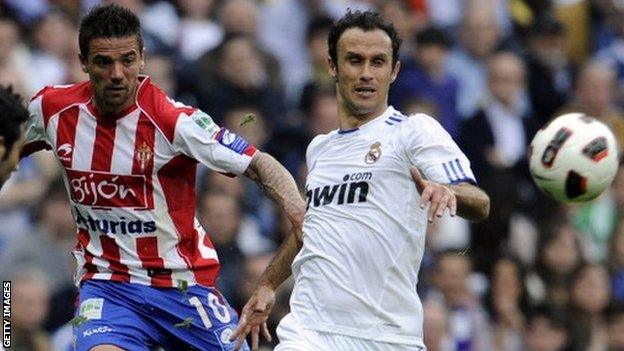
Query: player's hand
x,y
254,317
438,196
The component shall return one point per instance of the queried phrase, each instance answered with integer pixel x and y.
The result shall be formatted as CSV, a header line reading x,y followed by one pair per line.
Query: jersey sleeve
x,y
198,137
432,150
36,138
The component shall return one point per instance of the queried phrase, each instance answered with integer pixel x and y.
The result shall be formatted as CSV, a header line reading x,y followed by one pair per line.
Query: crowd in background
x,y
536,276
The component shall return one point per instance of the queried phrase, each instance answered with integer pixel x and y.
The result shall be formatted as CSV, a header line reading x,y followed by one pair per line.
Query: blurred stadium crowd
x,y
536,276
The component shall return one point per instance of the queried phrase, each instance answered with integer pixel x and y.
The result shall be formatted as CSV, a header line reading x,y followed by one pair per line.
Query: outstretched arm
x,y
464,199
256,311
277,184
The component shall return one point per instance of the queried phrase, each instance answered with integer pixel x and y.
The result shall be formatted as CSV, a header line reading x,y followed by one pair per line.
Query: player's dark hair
x,y
366,21
13,114
110,21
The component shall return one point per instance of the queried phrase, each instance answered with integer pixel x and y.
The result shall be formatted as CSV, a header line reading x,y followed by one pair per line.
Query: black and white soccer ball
x,y
574,158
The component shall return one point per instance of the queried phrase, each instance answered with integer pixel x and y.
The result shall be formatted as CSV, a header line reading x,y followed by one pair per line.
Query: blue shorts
x,y
139,318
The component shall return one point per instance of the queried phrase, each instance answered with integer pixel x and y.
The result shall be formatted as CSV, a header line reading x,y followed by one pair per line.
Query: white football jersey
x,y
364,231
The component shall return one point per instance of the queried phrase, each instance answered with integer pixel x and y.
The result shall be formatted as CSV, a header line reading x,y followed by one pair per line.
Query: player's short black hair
x,y
110,21
13,115
367,21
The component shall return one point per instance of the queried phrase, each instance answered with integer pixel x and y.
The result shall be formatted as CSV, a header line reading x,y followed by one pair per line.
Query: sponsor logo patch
x,y
205,122
97,189
92,308
223,335
64,152
99,330
143,155
232,141
373,154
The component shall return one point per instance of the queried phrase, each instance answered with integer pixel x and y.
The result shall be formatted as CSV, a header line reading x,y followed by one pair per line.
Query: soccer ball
x,y
573,158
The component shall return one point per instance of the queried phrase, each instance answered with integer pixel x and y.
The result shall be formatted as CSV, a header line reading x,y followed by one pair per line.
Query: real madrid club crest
x,y
143,155
373,154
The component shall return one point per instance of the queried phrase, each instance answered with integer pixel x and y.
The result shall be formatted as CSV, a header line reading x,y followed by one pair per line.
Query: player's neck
x,y
112,110
349,120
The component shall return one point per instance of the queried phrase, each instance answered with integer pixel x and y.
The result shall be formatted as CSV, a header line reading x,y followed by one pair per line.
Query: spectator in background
x,y
615,327
616,262
241,77
548,70
424,76
52,50
239,17
558,256
159,68
436,327
319,109
407,23
613,54
46,248
13,58
546,330
197,32
506,302
495,139
594,95
590,292
247,121
234,235
282,31
316,38
30,304
479,36
469,327
252,269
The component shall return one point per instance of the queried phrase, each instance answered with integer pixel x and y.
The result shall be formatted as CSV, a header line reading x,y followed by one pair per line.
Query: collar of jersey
x,y
370,125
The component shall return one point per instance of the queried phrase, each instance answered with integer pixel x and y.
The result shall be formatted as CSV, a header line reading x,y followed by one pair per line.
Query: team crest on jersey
x,y
143,155
374,154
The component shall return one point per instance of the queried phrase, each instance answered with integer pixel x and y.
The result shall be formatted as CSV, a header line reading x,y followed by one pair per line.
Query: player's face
x,y
10,158
113,66
364,71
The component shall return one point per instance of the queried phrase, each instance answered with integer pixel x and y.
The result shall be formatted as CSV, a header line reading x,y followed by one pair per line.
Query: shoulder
x,y
316,146
55,99
421,130
163,111
319,140
422,124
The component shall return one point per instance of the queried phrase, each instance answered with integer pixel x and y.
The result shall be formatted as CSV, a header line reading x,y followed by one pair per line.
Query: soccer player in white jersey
x,y
373,185
13,116
146,267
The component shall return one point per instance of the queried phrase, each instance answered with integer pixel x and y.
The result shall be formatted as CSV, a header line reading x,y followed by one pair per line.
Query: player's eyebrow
x,y
124,55
351,54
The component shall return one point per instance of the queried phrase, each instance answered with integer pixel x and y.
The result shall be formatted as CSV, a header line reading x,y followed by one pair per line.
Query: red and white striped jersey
x,y
131,181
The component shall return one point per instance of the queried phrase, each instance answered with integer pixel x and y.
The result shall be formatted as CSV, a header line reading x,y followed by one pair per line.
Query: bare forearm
x,y
280,267
472,202
277,184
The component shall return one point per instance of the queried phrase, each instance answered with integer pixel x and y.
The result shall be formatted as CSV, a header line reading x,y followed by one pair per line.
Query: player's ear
x,y
143,58
395,71
83,63
333,69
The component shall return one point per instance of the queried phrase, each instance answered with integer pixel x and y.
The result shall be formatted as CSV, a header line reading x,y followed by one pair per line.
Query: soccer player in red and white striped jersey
x,y
129,155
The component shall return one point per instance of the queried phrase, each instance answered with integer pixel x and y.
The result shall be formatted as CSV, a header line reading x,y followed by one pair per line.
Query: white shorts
x,y
293,337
